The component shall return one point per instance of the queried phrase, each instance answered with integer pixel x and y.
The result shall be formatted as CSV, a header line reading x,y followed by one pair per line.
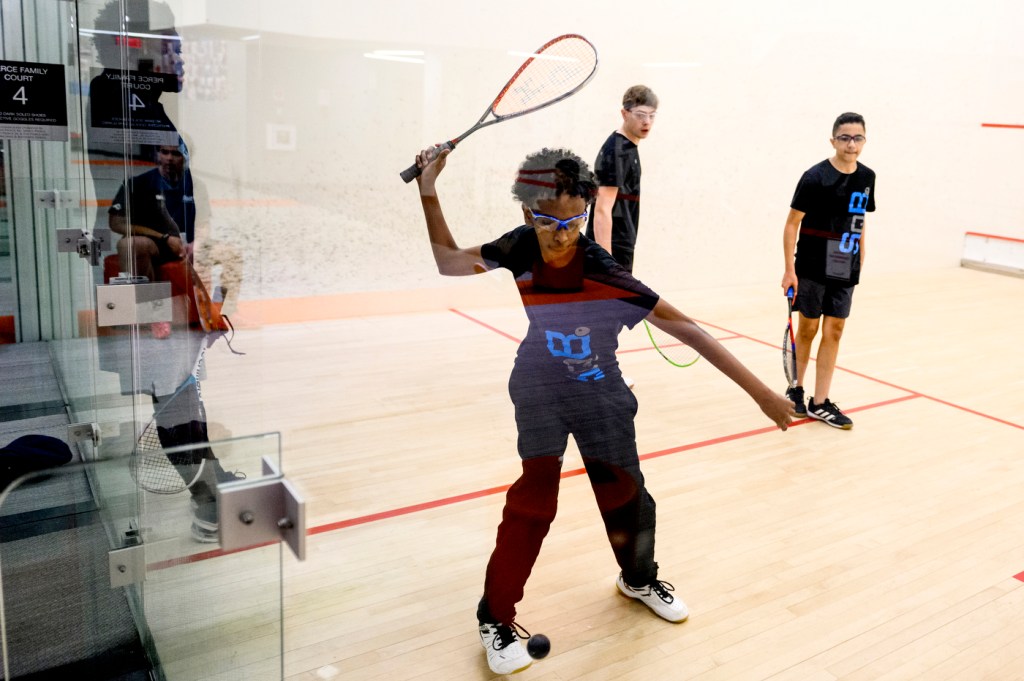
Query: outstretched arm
x,y
451,260
670,320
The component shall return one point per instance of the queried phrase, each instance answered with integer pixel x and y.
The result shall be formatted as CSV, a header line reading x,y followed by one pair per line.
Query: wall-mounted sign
x,y
33,101
124,106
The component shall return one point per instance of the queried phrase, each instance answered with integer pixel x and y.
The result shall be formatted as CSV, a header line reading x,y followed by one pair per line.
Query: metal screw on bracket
x,y
247,517
285,524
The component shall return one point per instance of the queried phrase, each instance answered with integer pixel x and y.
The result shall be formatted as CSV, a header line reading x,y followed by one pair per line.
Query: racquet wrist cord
x,y
666,357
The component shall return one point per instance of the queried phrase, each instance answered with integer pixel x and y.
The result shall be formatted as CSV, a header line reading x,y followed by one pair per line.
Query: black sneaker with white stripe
x,y
796,396
827,412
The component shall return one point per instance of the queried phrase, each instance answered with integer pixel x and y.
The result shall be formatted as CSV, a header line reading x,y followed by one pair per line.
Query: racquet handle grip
x,y
789,292
413,171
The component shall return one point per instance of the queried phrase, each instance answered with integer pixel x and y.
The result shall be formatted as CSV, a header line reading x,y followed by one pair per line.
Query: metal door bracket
x,y
259,512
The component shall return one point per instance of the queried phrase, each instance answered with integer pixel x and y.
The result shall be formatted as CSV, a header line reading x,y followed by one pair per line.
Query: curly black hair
x,y
550,173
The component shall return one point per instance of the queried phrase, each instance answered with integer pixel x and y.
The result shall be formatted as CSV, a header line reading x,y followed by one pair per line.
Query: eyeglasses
x,y
846,139
644,116
552,224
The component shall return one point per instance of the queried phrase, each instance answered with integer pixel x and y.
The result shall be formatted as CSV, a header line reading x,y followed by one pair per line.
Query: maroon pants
x,y
627,509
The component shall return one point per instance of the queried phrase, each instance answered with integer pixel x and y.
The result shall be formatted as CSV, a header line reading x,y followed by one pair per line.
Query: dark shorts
x,y
814,299
599,415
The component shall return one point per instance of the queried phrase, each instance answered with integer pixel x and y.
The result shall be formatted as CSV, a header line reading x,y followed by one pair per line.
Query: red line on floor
x,y
735,334
1002,125
448,501
886,383
486,326
1019,576
459,498
204,555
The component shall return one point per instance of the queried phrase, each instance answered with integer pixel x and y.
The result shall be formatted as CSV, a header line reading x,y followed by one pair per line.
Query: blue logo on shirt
x,y
574,349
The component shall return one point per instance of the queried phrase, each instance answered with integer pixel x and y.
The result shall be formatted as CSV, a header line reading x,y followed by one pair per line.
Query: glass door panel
x,y
85,580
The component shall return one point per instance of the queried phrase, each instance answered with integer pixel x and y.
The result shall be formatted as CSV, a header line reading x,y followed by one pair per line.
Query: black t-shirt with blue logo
x,y
576,312
834,203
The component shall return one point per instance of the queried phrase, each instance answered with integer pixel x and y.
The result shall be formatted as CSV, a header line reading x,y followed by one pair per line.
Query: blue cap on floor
x,y
35,452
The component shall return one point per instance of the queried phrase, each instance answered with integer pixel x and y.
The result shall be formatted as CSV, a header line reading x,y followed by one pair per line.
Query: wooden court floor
x,y
891,551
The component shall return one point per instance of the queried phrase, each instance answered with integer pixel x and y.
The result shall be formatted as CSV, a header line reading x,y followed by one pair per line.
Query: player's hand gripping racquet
x,y
559,69
789,343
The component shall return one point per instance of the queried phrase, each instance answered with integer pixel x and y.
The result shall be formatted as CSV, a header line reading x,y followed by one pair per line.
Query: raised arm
x,y
451,260
670,320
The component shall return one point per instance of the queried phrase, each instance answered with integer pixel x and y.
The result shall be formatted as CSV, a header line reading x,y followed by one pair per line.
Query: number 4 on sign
x,y
137,103
20,96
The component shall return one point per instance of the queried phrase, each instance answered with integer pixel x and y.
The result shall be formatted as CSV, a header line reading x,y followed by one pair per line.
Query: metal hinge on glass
x,y
87,245
133,300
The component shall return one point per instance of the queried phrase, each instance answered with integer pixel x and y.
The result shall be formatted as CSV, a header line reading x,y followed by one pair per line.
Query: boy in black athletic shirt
x,y
827,212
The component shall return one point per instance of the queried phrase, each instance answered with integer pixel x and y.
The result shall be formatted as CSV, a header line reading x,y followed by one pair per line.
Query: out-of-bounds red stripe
x,y
1015,126
1019,576
994,236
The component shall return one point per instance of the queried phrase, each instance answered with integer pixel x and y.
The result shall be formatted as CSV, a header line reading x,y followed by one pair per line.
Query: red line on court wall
x,y
995,236
1002,125
1019,576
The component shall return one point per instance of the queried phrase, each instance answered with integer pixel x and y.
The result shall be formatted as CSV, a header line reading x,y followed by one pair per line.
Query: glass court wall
x,y
271,135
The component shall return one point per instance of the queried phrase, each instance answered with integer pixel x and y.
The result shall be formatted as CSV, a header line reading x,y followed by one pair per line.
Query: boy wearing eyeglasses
x,y
823,246
615,220
566,381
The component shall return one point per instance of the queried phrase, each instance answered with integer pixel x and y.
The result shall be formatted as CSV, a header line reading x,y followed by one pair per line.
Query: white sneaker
x,y
204,535
656,596
505,652
629,381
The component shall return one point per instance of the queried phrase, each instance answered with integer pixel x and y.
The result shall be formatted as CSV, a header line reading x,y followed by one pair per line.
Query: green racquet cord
x,y
667,358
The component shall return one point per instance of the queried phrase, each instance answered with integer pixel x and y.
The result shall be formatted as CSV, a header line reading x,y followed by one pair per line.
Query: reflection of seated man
x,y
156,213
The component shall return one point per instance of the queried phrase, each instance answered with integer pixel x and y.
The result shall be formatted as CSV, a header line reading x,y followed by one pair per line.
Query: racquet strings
x,y
555,71
789,356
789,343
152,468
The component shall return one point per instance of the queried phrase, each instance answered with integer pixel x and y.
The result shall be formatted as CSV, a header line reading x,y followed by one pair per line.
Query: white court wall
x,y
747,108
